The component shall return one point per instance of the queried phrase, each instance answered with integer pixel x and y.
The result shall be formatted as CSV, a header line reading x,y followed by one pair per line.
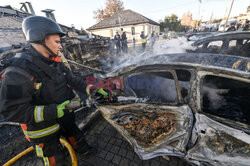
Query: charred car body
x,y
194,106
230,43
79,45
199,35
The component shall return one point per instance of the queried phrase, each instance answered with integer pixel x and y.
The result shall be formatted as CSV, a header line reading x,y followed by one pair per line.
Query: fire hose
x,y
88,67
63,142
73,157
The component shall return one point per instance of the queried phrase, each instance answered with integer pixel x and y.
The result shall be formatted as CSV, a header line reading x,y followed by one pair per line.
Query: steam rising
x,y
179,45
215,95
113,61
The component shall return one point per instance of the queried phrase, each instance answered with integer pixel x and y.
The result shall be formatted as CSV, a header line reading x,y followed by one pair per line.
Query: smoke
x,y
215,95
112,61
179,45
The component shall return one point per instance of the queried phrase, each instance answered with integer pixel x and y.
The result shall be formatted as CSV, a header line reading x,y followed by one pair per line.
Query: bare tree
x,y
112,8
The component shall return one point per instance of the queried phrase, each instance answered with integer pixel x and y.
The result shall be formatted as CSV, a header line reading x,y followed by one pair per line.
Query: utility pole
x,y
228,14
119,19
210,21
198,14
225,13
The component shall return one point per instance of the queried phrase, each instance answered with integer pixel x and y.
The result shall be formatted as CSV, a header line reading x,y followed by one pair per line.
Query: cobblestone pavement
x,y
113,149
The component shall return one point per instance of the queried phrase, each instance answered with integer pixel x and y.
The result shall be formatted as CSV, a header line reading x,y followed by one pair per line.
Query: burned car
x,y
194,106
199,35
230,43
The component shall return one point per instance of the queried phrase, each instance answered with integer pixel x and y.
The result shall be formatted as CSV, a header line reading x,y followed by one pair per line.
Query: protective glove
x,y
103,93
99,95
105,96
61,108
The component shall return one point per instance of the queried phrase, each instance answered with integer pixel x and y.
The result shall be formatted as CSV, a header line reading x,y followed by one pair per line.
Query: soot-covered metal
x,y
212,105
146,127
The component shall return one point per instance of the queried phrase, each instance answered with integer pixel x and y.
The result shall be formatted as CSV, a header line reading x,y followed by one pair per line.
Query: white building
x,y
129,21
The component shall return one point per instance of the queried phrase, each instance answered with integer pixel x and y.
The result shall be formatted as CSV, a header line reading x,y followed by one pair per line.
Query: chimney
x,y
25,7
30,8
49,14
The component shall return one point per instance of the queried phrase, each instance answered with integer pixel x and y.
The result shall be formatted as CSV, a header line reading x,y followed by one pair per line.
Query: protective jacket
x,y
117,40
143,38
31,88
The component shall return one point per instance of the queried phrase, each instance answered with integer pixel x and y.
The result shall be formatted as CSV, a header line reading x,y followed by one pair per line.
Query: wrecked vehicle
x,y
194,106
79,45
230,43
199,35
82,52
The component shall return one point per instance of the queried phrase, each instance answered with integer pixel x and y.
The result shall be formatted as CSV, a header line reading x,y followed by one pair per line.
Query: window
x,y
232,43
157,87
245,49
215,43
133,30
227,98
234,47
214,46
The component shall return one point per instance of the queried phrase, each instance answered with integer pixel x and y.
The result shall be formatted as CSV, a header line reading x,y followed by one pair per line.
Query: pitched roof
x,y
126,17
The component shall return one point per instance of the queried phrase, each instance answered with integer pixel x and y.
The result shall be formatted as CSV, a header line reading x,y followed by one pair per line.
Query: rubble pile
x,y
85,50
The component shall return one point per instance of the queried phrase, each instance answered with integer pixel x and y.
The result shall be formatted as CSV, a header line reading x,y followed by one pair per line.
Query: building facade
x,y
127,21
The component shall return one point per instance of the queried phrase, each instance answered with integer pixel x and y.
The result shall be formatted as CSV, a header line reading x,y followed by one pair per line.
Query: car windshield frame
x,y
174,74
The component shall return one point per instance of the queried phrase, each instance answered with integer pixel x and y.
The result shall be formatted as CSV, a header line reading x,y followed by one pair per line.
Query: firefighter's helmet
x,y
36,28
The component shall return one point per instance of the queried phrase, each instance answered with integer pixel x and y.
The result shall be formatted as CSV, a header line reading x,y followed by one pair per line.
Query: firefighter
x,y
36,88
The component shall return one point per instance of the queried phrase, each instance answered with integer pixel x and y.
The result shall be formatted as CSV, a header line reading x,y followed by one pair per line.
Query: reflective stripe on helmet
x,y
43,132
38,114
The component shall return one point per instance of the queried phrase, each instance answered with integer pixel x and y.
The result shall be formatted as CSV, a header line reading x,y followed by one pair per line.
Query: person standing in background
x,y
246,26
153,38
143,40
124,43
117,40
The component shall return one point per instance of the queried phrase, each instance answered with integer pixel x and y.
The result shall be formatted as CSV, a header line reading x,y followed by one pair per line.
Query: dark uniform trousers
x,y
52,153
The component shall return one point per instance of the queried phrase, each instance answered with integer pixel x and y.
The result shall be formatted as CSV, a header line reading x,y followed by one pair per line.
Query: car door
x,y
221,133
150,113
